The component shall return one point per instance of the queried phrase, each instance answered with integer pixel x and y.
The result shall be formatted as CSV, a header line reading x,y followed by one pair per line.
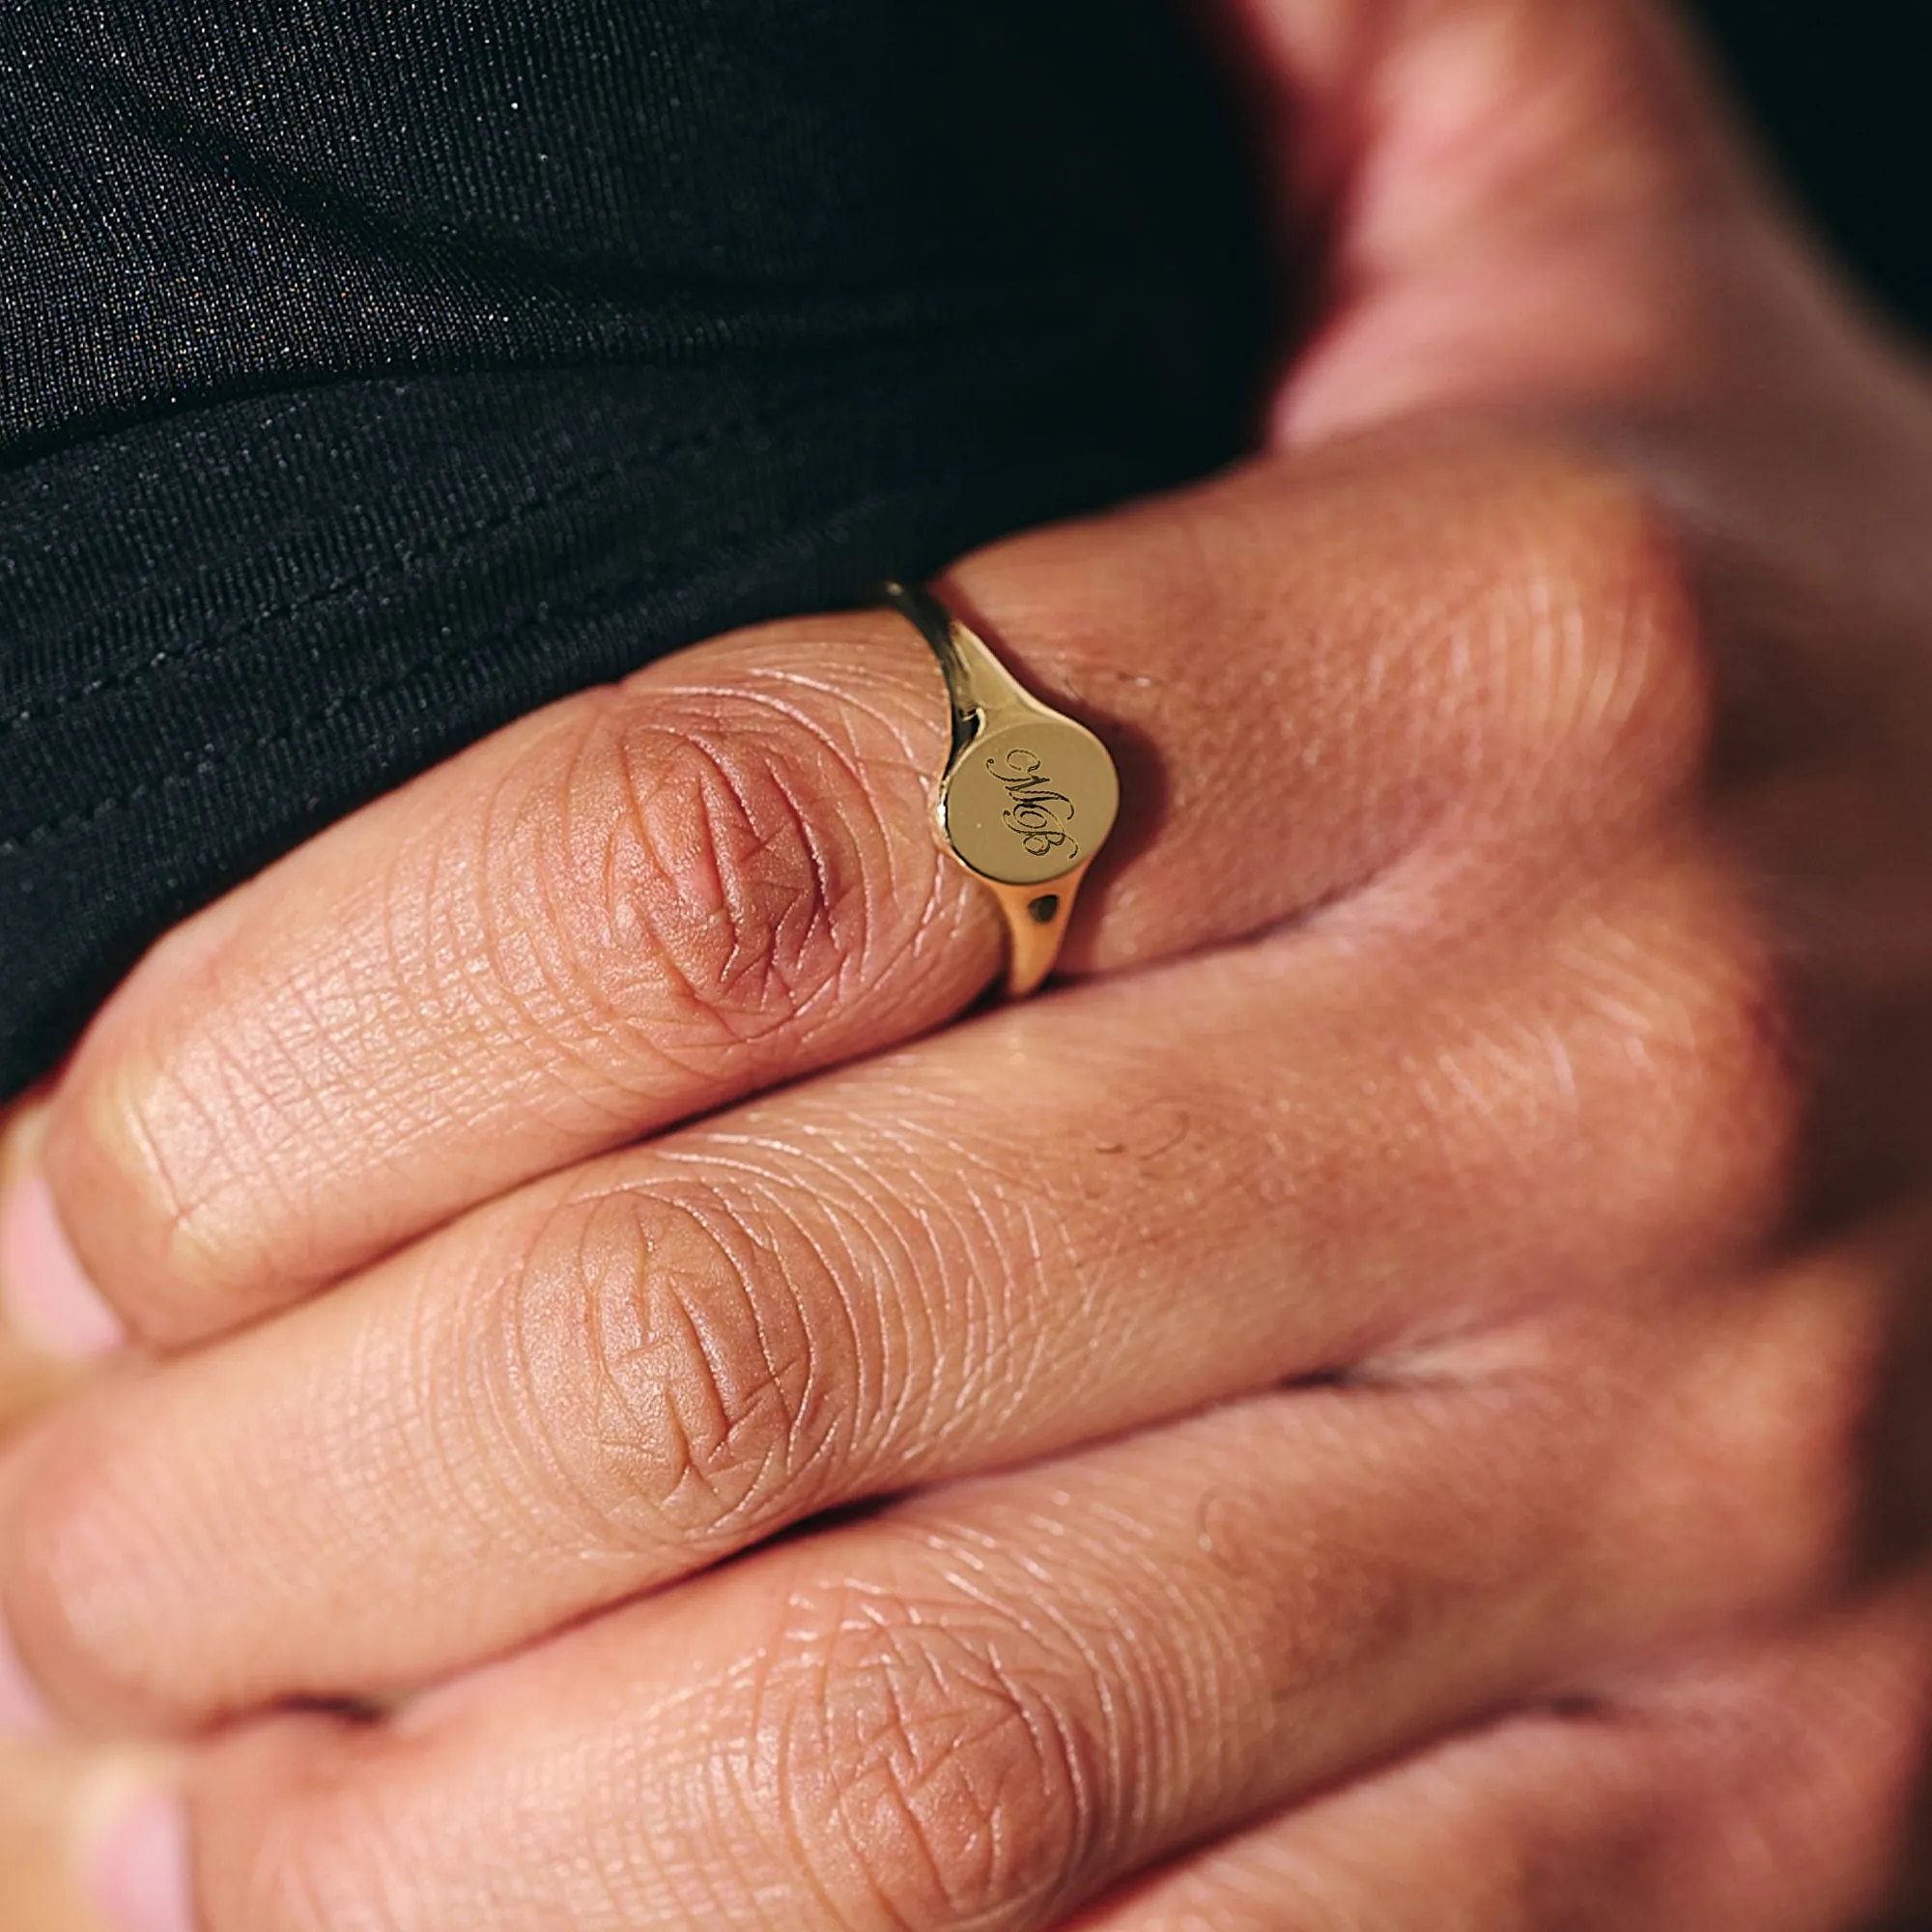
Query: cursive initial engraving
x,y
1035,811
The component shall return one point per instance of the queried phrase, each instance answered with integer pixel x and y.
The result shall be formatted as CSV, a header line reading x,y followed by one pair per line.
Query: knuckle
x,y
719,871
941,1761
1723,1049
1780,1437
1610,682
664,1381
1679,1001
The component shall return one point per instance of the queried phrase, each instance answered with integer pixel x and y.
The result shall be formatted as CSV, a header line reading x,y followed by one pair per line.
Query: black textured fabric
x,y
372,371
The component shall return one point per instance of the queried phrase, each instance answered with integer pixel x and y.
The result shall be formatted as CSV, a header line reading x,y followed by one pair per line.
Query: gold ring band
x,y
1026,797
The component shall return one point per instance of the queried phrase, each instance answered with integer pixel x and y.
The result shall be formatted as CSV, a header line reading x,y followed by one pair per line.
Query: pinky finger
x,y
1776,1793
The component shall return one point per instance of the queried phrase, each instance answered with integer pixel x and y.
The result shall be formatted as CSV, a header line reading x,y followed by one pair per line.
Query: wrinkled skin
x,y
1393,1399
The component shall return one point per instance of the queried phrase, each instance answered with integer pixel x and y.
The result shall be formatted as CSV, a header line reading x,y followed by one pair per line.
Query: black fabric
x,y
372,371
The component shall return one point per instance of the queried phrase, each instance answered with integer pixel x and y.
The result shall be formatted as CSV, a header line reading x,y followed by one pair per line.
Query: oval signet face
x,y
1030,801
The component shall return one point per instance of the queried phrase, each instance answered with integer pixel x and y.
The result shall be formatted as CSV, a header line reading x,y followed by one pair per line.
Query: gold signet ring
x,y
1027,798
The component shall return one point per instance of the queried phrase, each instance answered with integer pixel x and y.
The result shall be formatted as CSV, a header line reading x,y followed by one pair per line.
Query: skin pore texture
x,y
566,1376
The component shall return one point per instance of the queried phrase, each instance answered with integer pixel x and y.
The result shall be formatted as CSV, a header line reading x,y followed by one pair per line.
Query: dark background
x,y
1839,87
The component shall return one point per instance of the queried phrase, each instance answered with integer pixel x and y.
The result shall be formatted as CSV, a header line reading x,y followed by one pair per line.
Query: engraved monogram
x,y
1035,811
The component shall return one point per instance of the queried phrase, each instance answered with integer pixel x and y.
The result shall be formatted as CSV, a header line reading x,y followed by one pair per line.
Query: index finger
x,y
721,875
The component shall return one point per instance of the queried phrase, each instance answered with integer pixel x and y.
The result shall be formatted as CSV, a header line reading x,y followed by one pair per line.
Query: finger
x,y
719,876
1770,1791
1524,206
981,1708
623,1374
1524,1827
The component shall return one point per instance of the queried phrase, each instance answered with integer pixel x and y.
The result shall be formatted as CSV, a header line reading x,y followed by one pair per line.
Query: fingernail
x,y
142,1873
22,1714
51,1300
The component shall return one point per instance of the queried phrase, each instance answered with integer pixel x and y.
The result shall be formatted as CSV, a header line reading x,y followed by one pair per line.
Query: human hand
x,y
1443,1290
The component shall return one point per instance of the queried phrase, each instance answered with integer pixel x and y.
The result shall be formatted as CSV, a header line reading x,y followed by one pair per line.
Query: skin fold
x,y
616,1397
